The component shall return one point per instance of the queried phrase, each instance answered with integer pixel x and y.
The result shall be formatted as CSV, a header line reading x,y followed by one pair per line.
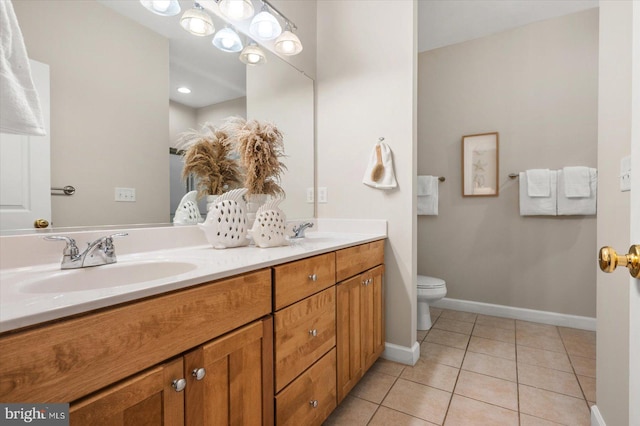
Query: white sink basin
x,y
105,276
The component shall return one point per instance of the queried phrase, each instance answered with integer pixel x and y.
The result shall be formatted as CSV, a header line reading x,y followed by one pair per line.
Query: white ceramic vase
x,y
254,201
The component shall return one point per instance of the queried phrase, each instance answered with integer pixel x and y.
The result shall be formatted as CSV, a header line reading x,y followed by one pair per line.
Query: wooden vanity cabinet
x,y
359,313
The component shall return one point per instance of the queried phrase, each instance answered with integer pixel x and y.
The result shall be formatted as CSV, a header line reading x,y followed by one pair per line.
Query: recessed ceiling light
x,y
184,90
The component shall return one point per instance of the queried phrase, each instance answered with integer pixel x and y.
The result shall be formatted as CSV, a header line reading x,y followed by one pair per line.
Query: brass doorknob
x,y
609,260
40,223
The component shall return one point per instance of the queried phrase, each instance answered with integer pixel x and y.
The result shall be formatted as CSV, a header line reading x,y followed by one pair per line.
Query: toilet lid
x,y
429,282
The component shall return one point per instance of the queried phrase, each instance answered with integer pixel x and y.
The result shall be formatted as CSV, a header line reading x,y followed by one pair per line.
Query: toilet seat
x,y
426,282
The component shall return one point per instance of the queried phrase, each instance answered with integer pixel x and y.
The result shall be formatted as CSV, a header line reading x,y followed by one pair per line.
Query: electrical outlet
x,y
310,195
125,194
322,194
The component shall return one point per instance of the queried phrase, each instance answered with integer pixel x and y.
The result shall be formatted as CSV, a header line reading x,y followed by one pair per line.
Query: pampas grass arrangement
x,y
207,156
260,147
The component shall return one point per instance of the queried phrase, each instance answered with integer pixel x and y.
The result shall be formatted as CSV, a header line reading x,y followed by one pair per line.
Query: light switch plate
x,y
125,194
322,194
625,174
310,195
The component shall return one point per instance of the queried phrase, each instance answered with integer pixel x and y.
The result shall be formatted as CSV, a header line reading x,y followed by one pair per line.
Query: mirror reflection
x,y
115,110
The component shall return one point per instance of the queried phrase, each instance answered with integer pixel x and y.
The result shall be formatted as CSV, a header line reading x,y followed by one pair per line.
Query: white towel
x,y
538,183
388,180
426,184
577,206
428,204
538,206
577,182
20,111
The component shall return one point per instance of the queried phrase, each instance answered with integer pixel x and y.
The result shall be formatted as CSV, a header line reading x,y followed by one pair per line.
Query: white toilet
x,y
430,290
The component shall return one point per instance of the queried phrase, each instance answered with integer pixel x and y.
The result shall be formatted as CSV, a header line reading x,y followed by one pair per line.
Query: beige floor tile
x,y
420,335
580,347
588,385
498,322
583,366
418,400
527,420
540,341
493,348
488,389
432,374
435,312
577,335
352,412
490,332
458,315
442,354
552,380
553,406
542,358
490,366
373,387
467,412
454,325
447,338
537,329
387,367
386,417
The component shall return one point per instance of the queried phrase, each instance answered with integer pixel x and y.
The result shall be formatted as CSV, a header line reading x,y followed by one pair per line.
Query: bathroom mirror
x,y
111,125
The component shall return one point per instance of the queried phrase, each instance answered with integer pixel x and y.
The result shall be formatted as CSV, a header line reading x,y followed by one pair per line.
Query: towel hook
x,y
380,139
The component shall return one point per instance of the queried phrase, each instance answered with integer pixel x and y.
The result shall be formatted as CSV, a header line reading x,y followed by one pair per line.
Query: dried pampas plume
x,y
206,155
260,147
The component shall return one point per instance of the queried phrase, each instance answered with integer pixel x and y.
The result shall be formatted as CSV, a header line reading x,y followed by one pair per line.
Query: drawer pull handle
x,y
199,373
313,277
179,384
313,333
367,281
314,403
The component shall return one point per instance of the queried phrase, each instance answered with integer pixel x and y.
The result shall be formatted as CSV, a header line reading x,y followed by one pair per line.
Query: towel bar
x,y
513,175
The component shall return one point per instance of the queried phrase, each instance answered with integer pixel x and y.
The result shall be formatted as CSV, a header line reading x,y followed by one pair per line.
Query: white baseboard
x,y
545,317
402,354
596,417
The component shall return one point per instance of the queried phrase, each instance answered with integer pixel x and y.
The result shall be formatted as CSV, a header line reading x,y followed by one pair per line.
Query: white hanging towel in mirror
x,y
388,179
20,111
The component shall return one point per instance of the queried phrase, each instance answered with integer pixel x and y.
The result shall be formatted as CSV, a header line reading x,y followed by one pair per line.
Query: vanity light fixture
x,y
227,40
288,43
162,7
184,90
238,10
264,25
253,55
197,21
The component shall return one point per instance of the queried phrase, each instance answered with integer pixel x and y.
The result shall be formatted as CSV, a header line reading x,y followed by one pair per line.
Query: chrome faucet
x,y
100,252
298,231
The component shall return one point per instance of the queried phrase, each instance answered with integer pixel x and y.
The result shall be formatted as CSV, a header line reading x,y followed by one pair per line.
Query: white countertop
x,y
21,306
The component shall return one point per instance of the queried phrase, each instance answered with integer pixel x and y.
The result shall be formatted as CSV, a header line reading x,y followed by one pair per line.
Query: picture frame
x,y
480,165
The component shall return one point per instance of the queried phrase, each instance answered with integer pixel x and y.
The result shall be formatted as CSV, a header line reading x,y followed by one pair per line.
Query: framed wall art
x,y
480,165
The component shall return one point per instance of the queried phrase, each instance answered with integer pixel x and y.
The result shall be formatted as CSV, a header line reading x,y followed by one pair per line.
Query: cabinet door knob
x,y
199,373
313,277
313,333
314,403
179,384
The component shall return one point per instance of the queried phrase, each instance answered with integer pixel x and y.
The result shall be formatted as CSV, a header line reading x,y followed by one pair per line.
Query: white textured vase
x,y
254,201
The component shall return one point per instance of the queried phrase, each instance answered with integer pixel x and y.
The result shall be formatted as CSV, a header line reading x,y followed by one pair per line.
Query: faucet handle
x,y
71,249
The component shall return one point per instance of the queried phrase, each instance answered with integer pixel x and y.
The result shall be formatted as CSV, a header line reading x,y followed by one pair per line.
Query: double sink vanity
x,y
192,335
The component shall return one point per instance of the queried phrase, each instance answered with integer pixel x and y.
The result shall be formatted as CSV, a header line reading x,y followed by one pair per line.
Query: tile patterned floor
x,y
480,370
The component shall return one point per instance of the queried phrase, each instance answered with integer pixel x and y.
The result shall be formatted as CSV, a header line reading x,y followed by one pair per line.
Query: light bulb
x,y
196,26
161,5
288,46
253,58
227,43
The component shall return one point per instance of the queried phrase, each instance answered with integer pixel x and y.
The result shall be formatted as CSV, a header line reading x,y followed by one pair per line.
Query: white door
x,y
25,170
618,221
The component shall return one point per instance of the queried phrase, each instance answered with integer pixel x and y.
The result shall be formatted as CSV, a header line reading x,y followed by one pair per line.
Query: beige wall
x,y
217,113
366,90
109,110
614,142
537,86
181,119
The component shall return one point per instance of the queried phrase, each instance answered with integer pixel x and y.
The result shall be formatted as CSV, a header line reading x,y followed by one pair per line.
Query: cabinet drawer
x,y
354,260
303,333
296,280
311,397
60,362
